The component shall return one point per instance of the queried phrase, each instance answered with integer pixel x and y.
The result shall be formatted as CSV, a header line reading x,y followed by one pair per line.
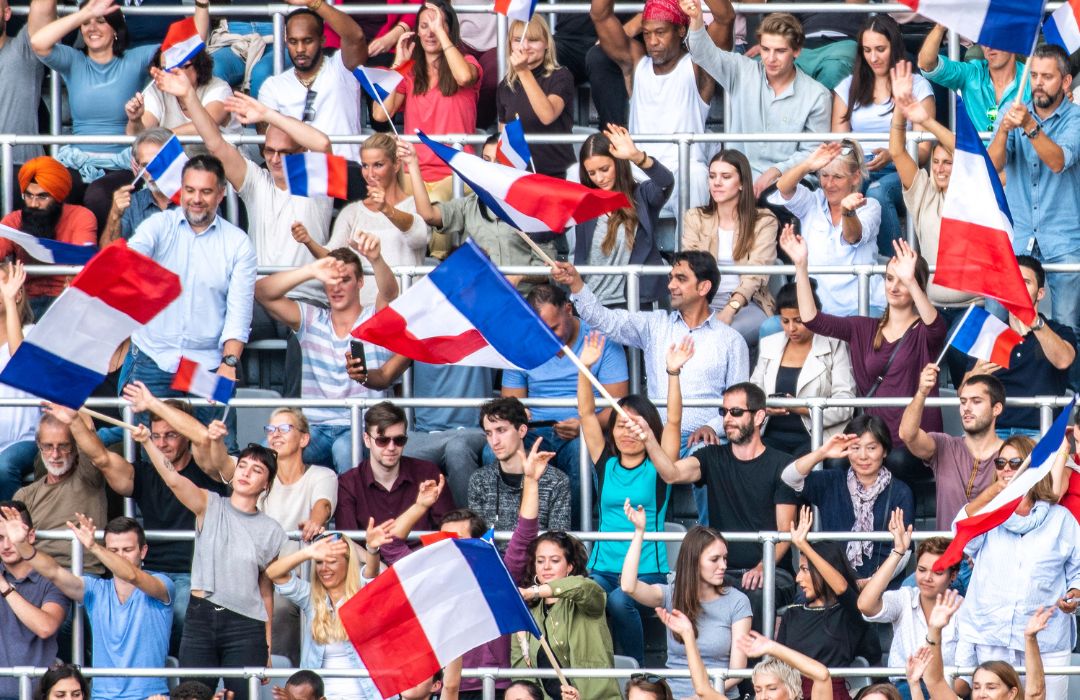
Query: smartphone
x,y
356,347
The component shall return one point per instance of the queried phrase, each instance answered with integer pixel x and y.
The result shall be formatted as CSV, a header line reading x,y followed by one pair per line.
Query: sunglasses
x,y
284,429
647,677
309,106
1014,463
847,147
735,412
398,440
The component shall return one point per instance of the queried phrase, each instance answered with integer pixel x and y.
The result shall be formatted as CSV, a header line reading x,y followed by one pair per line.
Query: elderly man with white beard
x,y
71,483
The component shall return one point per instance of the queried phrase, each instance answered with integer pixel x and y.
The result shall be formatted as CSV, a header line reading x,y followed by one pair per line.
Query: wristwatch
x,y
735,304
230,361
1039,323
1034,132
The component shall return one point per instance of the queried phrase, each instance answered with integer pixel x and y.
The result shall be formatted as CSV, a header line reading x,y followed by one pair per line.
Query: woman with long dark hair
x,y
736,232
62,682
624,474
863,102
626,236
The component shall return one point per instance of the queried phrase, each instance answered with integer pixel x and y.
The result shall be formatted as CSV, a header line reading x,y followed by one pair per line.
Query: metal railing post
x,y
253,682
489,684
458,183
56,112
864,293
817,426
953,44
232,206
355,430
404,282
768,584
279,42
913,151
128,415
585,485
7,175
684,184
26,683
718,682
633,305
78,632
502,35
1046,414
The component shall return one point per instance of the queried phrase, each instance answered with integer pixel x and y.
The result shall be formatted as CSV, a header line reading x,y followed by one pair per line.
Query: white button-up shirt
x,y
901,609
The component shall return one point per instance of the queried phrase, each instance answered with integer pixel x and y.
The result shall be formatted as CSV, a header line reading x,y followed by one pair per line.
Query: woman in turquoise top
x,y
624,471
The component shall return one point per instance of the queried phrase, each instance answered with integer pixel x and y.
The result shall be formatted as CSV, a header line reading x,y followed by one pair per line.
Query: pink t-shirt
x,y
435,113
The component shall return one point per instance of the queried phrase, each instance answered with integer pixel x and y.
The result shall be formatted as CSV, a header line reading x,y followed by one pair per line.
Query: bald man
x,y
45,185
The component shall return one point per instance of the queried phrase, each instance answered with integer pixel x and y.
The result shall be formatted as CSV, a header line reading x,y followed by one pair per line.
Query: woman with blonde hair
x,y
539,91
19,423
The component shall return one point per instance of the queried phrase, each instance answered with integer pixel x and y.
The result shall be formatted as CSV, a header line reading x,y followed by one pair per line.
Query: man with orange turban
x,y
45,184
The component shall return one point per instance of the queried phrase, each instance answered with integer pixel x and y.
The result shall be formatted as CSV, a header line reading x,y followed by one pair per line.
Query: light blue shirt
x,y
558,377
1014,575
972,80
720,359
217,272
1045,205
132,634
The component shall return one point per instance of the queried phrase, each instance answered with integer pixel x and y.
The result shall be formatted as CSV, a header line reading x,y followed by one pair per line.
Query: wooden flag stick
x,y
948,343
596,383
536,248
389,117
108,419
226,413
554,662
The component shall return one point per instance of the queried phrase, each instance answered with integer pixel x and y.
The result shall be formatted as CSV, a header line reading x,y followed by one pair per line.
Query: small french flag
x,y
516,9
167,168
314,174
985,337
47,250
1063,26
378,83
182,42
512,148
191,378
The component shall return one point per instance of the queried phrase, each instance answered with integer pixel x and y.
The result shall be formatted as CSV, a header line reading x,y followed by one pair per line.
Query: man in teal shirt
x,y
987,85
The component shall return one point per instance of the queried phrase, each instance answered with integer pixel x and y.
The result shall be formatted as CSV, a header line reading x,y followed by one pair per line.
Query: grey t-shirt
x,y
231,548
21,95
714,636
609,289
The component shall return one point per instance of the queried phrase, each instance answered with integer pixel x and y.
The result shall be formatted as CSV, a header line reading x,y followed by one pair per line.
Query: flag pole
x,y
389,117
138,176
554,662
536,248
108,419
1027,72
952,337
596,383
226,413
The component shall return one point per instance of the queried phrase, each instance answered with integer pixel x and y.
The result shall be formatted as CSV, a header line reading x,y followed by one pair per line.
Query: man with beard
x,y
45,184
130,207
71,484
320,89
744,490
1037,147
210,321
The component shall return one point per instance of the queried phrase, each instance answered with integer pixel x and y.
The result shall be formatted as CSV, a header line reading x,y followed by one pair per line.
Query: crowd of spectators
x,y
244,591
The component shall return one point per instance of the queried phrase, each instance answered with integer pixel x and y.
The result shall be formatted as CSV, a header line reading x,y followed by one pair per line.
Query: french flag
x,y
975,252
982,335
529,202
182,42
430,608
47,250
193,379
1063,26
466,313
512,148
315,174
379,83
66,355
166,168
516,9
1004,504
1006,25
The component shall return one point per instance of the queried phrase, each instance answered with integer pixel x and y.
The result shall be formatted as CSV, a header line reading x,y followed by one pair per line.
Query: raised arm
x,y
465,73
20,535
677,357
722,28
427,495
591,430
41,13
1035,679
250,111
795,247
1046,148
354,49
821,157
928,52
680,625
614,42
917,440
833,578
270,291
118,472
430,214
184,423
836,447
533,467
403,52
122,569
45,38
934,676
906,167
370,248
191,496
280,570
755,645
904,264
682,471
870,597
11,283
647,594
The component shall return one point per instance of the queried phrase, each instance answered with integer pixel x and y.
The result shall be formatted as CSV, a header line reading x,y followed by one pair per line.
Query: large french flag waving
x,y
430,608
1006,25
66,355
529,202
975,252
465,312
1005,503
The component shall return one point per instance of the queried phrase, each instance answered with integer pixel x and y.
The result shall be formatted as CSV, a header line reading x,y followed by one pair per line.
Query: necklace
x,y
307,83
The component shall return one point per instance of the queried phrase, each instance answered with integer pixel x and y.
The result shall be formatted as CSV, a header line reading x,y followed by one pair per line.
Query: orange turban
x,y
47,172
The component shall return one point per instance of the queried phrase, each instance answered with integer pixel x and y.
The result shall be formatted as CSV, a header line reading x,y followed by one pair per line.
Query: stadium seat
x,y
626,662
250,421
673,548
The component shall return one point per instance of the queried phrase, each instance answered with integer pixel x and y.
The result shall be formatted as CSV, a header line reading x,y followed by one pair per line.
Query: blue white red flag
x,y
1006,25
409,622
982,335
192,378
516,9
166,168
379,83
66,355
527,201
182,43
314,174
1004,504
467,313
1062,27
512,148
49,251
975,252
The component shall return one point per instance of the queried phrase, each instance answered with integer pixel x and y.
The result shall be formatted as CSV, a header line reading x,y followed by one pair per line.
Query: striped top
x,y
323,370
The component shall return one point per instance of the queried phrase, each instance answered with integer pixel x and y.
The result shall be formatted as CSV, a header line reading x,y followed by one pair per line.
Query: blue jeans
x,y
905,690
230,67
885,188
15,462
1006,433
624,613
330,445
181,598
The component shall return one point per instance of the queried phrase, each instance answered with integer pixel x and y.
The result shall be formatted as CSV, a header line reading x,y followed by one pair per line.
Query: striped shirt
x,y
323,371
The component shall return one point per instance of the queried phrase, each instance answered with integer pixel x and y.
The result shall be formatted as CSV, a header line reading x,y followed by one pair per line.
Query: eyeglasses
x,y
847,147
398,440
269,153
647,677
284,429
309,106
168,437
36,197
735,412
1014,463
64,448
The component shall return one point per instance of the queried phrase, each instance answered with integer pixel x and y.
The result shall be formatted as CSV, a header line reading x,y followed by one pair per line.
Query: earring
x,y
536,579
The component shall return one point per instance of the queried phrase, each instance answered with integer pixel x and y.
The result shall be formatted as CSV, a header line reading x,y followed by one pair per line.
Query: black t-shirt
x,y
830,635
553,158
743,495
162,511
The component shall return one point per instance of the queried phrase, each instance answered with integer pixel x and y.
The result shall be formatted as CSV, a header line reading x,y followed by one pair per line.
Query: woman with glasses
x,y
860,498
303,498
336,576
228,619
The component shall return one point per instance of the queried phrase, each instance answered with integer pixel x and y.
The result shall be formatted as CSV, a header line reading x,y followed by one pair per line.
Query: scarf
x,y
1023,524
862,500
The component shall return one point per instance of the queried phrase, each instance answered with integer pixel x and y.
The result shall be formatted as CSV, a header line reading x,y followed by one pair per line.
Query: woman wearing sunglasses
x,y
860,498
228,619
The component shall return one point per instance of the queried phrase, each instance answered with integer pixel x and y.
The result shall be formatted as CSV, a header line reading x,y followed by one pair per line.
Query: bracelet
x,y
315,5
898,552
370,551
448,47
402,25
675,373
32,555
9,591
849,213
930,641
644,158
